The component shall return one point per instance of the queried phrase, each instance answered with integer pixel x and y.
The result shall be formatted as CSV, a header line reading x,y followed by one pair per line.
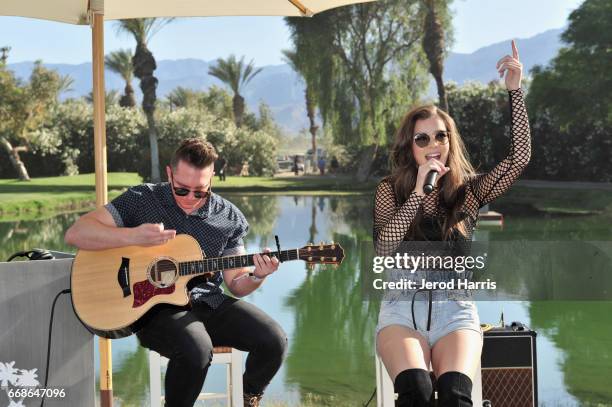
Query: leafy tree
x,y
120,62
577,84
301,67
215,100
111,98
24,107
482,113
263,122
183,97
236,75
69,134
365,59
483,118
238,145
142,29
218,101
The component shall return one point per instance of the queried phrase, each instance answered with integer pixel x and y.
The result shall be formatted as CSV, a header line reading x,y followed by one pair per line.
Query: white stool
x,y
385,394
230,357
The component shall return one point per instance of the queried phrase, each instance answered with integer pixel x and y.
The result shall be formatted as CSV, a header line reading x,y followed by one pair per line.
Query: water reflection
x,y
331,328
583,334
29,234
332,348
261,213
131,378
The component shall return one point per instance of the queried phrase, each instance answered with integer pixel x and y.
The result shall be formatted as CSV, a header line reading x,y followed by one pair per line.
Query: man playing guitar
x,y
152,214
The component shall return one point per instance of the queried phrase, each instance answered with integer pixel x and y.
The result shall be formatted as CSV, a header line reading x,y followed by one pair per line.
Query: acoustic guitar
x,y
112,290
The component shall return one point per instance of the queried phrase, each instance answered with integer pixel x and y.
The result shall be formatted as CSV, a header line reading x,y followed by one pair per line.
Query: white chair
x,y
230,357
385,394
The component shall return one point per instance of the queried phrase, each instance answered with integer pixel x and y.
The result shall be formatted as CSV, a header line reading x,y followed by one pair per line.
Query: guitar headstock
x,y
323,253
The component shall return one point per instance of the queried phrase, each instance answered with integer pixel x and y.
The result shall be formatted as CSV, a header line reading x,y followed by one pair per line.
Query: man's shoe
x,y
252,400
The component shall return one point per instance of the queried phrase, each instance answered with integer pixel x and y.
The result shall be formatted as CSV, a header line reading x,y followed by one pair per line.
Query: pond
x,y
329,324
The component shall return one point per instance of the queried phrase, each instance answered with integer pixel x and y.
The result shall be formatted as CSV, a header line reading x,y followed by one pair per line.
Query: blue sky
x,y
477,23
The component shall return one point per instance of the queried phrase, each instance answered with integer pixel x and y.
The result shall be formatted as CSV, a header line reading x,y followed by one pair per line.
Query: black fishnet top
x,y
392,220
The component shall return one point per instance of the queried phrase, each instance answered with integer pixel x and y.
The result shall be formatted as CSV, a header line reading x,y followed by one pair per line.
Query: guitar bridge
x,y
123,277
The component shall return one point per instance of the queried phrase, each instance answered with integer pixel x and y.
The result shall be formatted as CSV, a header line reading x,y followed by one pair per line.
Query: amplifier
x,y
509,367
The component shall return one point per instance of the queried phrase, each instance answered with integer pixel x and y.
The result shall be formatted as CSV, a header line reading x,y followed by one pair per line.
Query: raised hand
x,y
512,67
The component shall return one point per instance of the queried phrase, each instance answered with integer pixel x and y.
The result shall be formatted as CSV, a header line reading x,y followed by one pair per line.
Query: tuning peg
x,y
322,259
309,258
334,258
310,266
310,244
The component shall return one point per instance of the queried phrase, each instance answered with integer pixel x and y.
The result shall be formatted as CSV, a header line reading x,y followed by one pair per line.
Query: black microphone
x,y
430,181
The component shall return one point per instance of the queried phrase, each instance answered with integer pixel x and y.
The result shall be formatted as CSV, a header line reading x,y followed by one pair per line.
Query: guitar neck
x,y
216,264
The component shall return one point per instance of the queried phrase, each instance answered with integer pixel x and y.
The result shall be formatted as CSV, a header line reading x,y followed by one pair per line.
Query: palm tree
x,y
142,29
4,50
183,97
236,75
111,97
120,62
433,45
292,59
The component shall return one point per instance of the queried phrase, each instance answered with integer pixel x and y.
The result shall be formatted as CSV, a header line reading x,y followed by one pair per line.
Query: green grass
x,y
44,196
75,182
23,200
311,184
560,201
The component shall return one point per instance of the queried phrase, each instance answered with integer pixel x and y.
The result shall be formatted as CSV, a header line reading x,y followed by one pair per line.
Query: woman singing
x,y
443,330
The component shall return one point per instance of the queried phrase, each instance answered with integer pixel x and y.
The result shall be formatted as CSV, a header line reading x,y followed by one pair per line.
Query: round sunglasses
x,y
198,194
422,140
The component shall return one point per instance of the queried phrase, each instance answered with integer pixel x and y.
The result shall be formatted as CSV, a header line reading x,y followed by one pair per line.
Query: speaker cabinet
x,y
509,367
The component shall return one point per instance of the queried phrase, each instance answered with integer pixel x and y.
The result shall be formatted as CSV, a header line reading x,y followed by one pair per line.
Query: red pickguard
x,y
144,291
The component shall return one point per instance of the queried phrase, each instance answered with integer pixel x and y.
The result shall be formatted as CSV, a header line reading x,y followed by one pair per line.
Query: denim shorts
x,y
447,315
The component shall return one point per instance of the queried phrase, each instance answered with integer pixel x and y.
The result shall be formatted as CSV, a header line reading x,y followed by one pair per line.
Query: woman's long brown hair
x,y
452,185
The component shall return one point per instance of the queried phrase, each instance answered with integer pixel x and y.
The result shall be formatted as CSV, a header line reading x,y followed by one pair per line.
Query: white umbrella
x,y
94,13
77,11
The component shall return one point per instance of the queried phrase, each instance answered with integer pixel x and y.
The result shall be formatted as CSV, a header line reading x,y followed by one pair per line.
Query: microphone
x,y
430,181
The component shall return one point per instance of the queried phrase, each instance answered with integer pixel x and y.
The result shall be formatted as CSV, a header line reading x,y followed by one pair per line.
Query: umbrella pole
x,y
106,364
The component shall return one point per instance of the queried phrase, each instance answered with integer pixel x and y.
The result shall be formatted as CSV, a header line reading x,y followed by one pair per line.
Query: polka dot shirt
x,y
218,226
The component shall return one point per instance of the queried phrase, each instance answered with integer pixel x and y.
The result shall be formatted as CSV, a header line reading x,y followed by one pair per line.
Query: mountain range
x,y
283,90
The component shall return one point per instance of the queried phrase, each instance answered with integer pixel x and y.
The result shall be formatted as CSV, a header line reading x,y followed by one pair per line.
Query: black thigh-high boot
x,y
454,390
414,388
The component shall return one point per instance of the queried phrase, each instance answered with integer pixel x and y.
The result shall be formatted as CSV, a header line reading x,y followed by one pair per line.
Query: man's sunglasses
x,y
198,194
423,139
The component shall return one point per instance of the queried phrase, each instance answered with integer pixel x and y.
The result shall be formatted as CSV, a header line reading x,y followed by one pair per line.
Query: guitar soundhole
x,y
163,273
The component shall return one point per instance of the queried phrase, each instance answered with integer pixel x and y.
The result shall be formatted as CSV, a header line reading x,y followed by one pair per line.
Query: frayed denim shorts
x,y
447,315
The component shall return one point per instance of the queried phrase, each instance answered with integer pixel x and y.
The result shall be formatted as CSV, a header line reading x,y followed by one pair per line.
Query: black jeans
x,y
186,336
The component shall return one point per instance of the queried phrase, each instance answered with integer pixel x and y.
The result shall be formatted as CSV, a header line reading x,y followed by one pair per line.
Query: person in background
x,y
321,165
221,167
334,165
295,168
